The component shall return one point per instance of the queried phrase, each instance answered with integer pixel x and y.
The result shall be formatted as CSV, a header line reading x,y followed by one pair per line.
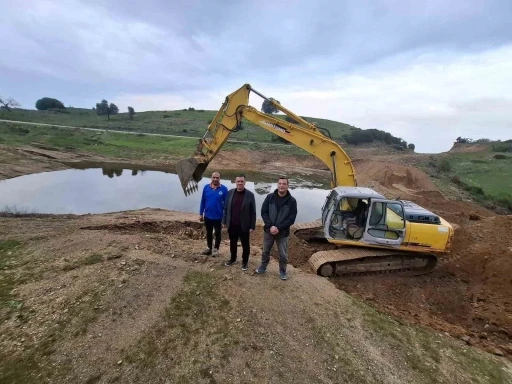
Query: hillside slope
x,y
185,122
125,297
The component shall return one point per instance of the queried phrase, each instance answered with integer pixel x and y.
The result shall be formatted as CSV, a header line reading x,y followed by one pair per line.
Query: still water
x,y
102,190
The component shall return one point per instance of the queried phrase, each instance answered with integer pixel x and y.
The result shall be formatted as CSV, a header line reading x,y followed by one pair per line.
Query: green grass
x,y
483,170
183,123
485,177
8,255
193,339
118,145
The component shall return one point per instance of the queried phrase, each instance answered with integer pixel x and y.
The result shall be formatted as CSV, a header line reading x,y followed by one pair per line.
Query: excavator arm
x,y
303,134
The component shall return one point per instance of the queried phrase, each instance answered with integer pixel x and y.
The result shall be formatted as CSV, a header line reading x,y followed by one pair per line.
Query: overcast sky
x,y
425,71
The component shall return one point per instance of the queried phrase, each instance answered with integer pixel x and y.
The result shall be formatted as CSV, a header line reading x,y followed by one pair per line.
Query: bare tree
x,y
9,102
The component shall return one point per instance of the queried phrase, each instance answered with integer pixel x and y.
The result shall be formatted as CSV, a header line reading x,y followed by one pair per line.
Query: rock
x,y
120,362
466,339
507,348
498,352
474,216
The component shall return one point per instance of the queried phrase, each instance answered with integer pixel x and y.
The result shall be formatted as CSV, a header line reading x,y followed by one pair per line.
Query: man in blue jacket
x,y
211,210
278,212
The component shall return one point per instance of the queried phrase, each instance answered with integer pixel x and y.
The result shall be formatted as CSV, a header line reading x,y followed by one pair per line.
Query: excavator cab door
x,y
385,224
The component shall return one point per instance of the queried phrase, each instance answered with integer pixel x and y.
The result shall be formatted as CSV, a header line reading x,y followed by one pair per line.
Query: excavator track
x,y
364,261
309,231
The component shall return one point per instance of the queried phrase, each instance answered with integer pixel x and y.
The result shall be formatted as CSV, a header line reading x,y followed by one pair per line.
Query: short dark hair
x,y
241,175
284,178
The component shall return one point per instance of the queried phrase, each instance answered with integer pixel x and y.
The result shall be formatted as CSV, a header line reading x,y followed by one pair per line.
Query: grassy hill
x,y
481,171
191,123
183,122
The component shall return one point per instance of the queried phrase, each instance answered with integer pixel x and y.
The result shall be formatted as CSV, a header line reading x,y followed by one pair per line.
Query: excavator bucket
x,y
190,171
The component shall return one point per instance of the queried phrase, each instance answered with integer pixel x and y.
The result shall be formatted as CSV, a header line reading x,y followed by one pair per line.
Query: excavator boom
x,y
302,133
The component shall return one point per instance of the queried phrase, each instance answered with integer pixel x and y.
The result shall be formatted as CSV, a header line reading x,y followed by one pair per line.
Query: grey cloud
x,y
115,47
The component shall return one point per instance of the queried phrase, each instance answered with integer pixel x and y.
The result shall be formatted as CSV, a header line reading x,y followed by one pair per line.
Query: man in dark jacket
x,y
278,212
240,220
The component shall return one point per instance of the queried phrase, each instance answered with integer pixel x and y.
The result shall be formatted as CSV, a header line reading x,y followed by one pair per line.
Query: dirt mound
x,y
393,179
247,159
469,294
188,228
468,148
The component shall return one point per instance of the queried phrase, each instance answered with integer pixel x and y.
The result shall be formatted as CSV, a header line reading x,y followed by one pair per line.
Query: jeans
x,y
210,225
236,233
282,247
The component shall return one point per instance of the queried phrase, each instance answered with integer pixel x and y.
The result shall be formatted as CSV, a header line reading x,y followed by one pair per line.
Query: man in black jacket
x,y
240,219
278,212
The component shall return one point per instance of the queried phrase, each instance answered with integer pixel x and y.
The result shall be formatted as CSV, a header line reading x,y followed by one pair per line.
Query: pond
x,y
94,189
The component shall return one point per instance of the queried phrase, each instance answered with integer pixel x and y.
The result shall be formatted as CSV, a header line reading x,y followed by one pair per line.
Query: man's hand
x,y
201,218
251,230
274,230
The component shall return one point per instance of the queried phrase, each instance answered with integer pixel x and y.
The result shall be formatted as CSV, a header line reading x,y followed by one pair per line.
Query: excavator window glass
x,y
348,219
386,220
328,205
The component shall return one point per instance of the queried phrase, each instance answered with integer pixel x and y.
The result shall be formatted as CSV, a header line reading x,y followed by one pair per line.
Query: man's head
x,y
240,182
282,185
216,178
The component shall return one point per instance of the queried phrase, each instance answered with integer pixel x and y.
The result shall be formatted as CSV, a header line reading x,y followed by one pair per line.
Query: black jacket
x,y
247,213
282,219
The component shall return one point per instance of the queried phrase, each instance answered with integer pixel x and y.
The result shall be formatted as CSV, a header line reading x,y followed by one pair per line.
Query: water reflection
x,y
114,188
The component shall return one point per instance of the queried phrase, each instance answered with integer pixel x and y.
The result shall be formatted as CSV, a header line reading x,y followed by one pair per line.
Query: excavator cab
x,y
364,216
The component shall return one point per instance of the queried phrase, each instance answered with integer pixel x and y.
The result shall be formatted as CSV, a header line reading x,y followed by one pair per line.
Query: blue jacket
x,y
213,201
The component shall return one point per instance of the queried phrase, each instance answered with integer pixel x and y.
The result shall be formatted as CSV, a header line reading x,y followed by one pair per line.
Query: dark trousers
x,y
236,233
282,247
210,225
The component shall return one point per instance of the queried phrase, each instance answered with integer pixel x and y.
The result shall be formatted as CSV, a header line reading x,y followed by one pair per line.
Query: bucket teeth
x,y
191,187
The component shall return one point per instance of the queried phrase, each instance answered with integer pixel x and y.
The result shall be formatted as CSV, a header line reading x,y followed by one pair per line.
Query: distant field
x,y
184,123
115,145
483,170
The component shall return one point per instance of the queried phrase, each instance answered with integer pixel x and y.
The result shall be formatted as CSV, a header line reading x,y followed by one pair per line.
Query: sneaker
x,y
283,275
215,252
260,270
207,251
244,267
229,263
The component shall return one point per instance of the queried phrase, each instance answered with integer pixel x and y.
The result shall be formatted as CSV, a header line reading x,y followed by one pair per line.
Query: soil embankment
x,y
467,295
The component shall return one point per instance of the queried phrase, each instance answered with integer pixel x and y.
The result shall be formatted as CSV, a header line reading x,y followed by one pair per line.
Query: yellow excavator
x,y
372,234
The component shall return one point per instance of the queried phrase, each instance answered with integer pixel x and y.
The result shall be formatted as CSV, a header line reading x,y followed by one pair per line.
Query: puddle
x,y
93,189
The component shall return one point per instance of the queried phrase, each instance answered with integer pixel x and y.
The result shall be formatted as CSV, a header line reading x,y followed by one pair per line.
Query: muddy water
x,y
108,189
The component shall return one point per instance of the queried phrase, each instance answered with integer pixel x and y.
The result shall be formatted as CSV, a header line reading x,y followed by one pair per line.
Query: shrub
x,y
47,102
445,166
501,156
456,180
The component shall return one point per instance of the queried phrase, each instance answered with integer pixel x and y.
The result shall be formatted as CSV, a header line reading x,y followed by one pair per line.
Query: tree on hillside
x,y
463,140
268,107
48,102
104,108
9,103
411,146
131,112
